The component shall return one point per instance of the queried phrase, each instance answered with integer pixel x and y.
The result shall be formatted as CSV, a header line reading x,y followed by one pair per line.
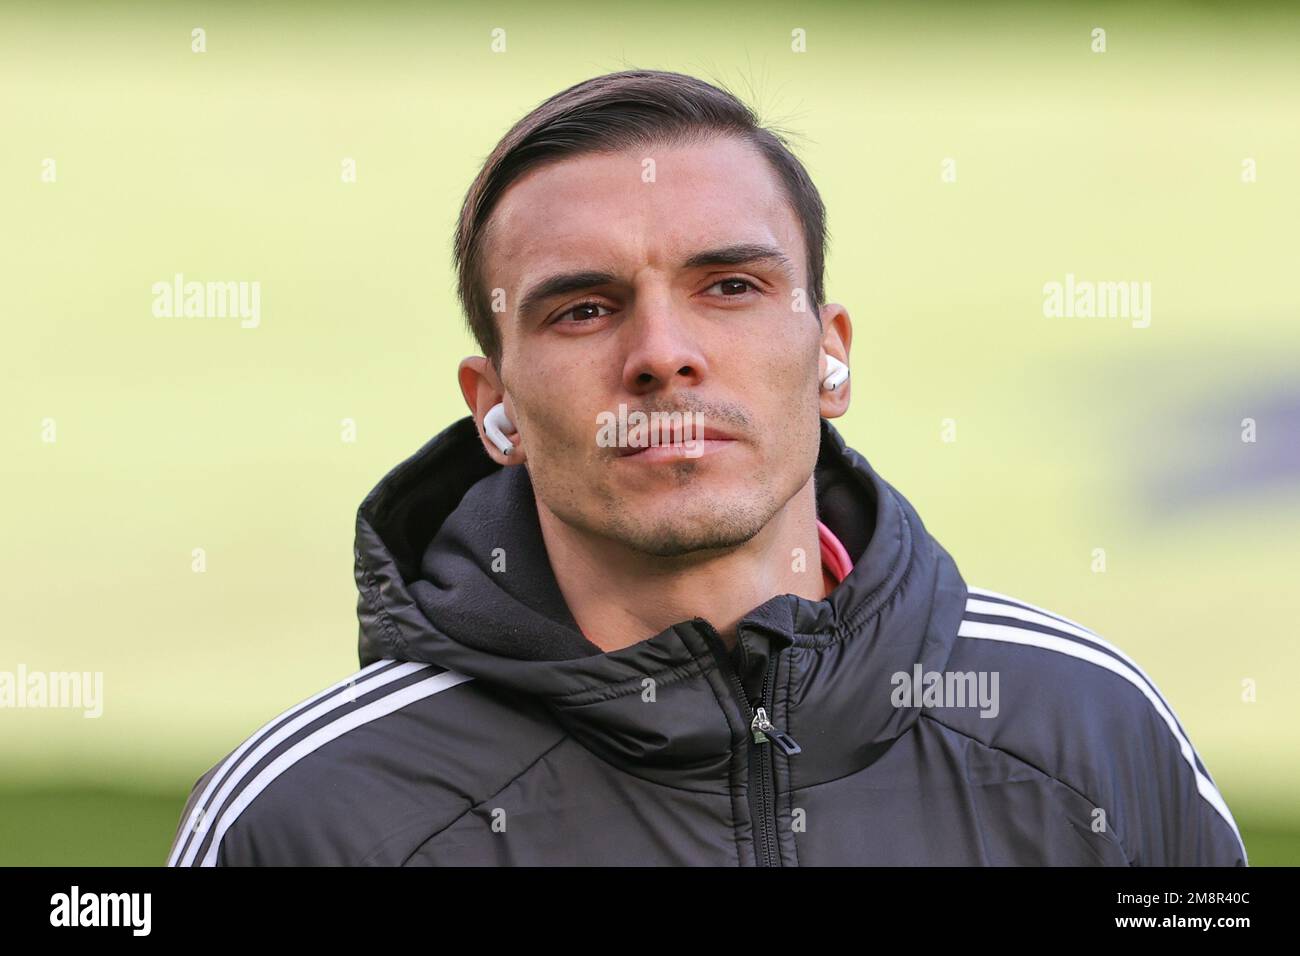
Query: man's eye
x,y
583,307
732,283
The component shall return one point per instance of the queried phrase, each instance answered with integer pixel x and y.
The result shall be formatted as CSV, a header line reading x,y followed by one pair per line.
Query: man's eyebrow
x,y
741,254
563,283
560,284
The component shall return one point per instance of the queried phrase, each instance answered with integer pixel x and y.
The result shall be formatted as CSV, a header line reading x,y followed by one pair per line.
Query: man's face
x,y
658,333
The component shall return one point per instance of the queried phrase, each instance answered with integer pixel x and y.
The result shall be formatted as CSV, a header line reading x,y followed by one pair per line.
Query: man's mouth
x,y
679,446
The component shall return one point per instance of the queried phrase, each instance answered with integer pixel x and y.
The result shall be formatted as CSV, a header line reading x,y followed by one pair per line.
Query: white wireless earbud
x,y
495,423
837,373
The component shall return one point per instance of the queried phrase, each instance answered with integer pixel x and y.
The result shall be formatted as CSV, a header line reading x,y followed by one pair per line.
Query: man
x,y
644,606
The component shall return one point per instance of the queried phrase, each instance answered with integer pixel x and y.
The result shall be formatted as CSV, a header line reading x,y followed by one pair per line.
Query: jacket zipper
x,y
762,732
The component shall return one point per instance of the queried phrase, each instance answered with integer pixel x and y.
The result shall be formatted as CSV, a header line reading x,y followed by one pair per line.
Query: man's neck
x,y
620,597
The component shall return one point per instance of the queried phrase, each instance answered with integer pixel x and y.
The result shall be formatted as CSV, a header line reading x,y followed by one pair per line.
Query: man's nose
x,y
662,351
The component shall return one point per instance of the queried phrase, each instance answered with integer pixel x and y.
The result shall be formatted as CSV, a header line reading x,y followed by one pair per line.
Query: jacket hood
x,y
452,570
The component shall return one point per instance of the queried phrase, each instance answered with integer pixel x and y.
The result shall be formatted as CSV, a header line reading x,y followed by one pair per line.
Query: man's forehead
x,y
592,211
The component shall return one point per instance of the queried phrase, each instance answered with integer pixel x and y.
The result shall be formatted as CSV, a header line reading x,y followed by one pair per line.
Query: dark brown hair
x,y
607,114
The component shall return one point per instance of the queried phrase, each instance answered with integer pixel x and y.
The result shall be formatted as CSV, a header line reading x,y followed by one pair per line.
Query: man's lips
x,y
706,440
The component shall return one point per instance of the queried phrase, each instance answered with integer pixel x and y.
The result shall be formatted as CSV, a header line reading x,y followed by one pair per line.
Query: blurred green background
x,y
1072,434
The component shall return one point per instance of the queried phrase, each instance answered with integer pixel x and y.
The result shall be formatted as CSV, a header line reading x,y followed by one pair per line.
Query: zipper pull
x,y
764,731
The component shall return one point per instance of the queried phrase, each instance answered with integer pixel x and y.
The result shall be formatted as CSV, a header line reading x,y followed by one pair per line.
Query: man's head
x,y
639,241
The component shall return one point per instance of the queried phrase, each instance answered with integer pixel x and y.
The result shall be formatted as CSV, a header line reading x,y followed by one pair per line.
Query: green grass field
x,y
1072,434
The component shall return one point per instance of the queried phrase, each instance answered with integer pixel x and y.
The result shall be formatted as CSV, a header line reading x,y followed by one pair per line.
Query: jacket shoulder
x,y
398,747
1078,708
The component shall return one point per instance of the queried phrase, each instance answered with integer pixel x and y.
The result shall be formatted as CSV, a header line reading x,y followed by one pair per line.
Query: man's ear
x,y
481,387
837,334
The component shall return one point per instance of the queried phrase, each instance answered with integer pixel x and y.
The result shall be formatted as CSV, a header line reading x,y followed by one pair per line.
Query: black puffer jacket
x,y
483,728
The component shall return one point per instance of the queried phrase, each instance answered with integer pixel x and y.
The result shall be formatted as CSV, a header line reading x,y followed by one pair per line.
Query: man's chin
x,y
682,534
